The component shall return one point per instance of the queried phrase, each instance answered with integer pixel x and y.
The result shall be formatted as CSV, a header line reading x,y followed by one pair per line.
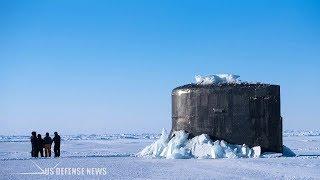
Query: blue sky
x,y
109,66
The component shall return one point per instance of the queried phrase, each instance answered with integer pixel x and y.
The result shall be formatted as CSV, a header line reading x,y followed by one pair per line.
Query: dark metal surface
x,y
238,113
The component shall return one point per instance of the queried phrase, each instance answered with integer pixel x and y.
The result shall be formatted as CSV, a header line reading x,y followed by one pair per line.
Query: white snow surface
x,y
217,79
201,147
117,153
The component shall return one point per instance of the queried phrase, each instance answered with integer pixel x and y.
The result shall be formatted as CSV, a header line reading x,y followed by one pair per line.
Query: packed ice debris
x,y
201,147
217,79
157,147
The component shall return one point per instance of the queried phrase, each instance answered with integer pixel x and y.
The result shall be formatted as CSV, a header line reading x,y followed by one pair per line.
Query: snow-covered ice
x,y
201,147
117,155
217,79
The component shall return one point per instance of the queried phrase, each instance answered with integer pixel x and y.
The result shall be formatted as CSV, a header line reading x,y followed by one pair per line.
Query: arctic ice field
x,y
120,156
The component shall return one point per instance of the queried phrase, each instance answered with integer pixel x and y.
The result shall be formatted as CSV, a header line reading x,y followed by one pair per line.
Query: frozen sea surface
x,y
116,154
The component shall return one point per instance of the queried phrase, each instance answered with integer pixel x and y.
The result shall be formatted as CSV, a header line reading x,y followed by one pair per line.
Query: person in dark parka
x,y
34,147
40,145
47,145
57,141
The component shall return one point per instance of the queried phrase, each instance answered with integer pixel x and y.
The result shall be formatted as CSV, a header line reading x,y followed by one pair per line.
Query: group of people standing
x,y
38,144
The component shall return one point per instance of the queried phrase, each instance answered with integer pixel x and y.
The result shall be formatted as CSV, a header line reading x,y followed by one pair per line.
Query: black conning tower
x,y
238,113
